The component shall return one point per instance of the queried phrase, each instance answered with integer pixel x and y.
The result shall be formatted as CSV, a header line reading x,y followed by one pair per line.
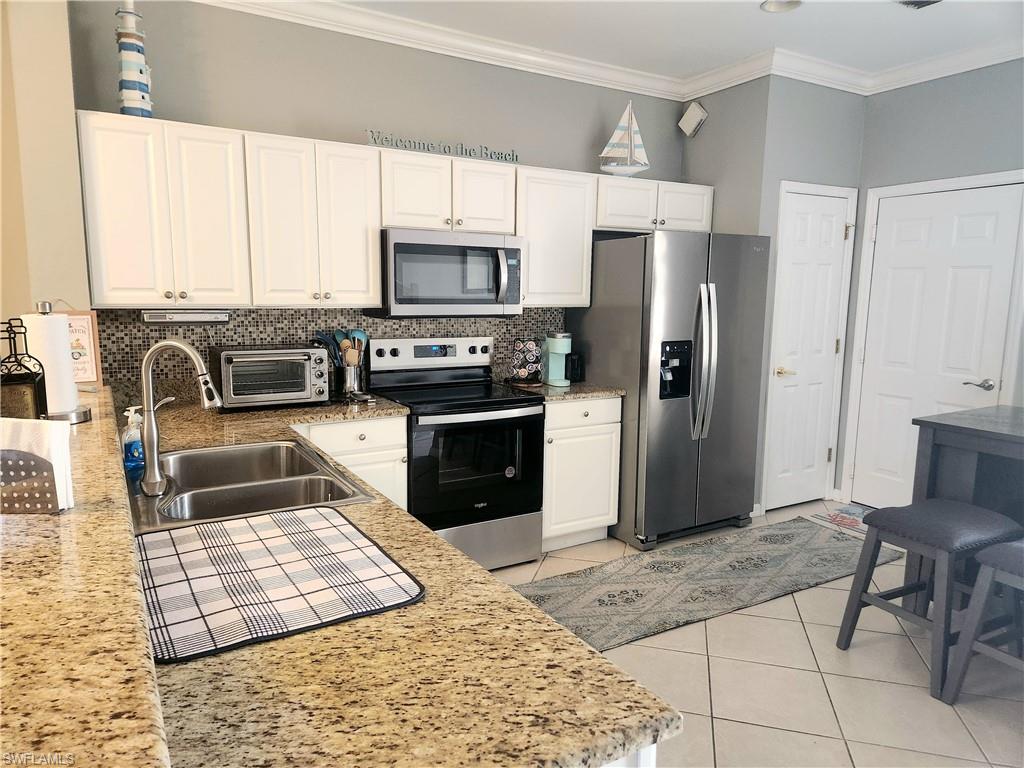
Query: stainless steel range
x,y
476,448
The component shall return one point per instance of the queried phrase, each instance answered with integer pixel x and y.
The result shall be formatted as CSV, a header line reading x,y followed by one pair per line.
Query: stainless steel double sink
x,y
208,484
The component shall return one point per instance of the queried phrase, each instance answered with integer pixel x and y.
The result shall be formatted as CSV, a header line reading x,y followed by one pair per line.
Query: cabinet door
x,y
416,190
555,213
209,228
483,196
124,176
581,479
685,206
627,203
348,220
383,470
281,183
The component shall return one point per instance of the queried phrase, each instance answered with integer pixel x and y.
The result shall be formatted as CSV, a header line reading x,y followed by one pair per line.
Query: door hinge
x,y
829,455
846,232
837,346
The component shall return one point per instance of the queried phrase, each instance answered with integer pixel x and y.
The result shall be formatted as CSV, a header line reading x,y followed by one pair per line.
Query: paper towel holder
x,y
83,412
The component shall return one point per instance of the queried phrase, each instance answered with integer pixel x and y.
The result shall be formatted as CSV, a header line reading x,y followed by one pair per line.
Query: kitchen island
x,y
473,673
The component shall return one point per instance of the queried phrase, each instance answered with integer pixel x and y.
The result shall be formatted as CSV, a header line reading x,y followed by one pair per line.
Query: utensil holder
x,y
351,379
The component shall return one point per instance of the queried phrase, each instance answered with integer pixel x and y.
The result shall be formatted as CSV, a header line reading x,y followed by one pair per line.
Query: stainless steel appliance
x,y
678,320
430,274
258,375
476,448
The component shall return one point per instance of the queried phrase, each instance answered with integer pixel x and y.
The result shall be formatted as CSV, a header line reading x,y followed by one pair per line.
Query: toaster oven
x,y
260,375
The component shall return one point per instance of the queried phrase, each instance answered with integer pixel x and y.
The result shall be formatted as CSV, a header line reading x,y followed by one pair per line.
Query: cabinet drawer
x,y
582,413
363,435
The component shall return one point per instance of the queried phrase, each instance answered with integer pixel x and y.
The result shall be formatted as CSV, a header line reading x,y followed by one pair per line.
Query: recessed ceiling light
x,y
780,6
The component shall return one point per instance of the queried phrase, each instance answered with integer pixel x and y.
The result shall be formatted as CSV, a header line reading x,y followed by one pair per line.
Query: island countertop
x,y
472,674
999,422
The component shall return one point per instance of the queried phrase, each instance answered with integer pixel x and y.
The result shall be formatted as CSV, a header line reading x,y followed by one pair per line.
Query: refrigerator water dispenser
x,y
675,369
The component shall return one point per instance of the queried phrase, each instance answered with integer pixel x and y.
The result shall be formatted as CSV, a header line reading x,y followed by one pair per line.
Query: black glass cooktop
x,y
458,397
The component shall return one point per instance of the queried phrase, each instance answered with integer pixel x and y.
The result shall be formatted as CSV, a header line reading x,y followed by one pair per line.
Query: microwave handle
x,y
502,275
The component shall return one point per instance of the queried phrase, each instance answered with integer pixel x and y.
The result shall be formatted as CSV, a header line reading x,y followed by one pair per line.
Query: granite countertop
x,y
472,674
1001,422
577,391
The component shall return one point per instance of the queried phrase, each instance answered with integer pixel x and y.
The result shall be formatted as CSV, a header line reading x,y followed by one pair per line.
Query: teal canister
x,y
556,347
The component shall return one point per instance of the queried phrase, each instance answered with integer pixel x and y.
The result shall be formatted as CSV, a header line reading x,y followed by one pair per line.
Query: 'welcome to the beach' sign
x,y
456,149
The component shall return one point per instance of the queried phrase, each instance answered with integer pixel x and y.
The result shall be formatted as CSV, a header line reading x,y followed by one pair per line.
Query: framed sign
x,y
85,347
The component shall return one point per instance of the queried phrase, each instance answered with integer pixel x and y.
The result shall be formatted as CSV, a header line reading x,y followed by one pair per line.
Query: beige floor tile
x,y
689,638
902,716
518,574
842,584
888,576
997,725
556,566
599,551
693,748
872,655
825,606
741,745
679,678
874,756
987,677
779,608
756,638
777,697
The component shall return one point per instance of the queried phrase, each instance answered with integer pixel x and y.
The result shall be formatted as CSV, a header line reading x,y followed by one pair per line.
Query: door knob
x,y
780,371
987,384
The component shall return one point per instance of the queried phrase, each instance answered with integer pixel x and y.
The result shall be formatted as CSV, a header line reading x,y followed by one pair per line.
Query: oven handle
x,y
463,418
503,275
272,358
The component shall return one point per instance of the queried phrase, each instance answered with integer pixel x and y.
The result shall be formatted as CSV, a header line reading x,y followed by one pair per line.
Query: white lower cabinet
x,y
581,471
374,450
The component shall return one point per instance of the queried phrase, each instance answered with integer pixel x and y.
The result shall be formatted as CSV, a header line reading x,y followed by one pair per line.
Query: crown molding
x,y
388,28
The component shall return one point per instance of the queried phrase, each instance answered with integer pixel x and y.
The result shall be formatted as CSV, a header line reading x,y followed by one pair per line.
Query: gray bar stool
x,y
1002,564
943,531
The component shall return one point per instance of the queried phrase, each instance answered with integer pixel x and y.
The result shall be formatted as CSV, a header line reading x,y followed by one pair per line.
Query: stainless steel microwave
x,y
259,375
428,274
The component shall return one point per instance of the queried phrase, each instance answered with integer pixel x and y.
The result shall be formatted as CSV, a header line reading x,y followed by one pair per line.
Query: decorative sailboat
x,y
624,153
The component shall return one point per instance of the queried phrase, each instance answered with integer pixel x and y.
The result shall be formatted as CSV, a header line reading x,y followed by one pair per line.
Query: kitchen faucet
x,y
154,482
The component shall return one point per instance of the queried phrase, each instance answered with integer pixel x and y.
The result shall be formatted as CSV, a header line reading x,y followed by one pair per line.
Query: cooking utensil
x,y
340,336
351,356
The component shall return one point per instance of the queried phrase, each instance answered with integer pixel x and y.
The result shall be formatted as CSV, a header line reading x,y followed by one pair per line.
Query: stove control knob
x,y
472,350
484,349
380,352
394,351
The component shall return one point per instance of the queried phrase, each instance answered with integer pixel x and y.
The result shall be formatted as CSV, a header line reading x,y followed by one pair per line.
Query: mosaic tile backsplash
x,y
124,338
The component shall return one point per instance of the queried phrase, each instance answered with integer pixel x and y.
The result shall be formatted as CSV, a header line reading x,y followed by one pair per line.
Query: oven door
x,y
445,274
472,467
253,379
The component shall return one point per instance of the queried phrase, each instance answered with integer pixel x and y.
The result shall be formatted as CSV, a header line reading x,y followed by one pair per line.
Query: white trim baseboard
x,y
852,402
397,30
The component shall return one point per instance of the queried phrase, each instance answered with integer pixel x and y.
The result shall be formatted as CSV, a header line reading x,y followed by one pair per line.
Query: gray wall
x,y
728,153
219,67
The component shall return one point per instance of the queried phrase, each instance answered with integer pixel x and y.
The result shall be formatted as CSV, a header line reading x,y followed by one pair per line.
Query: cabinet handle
x,y
316,296
551,440
405,459
662,221
182,294
459,222
654,221
586,414
327,294
168,294
448,221
362,436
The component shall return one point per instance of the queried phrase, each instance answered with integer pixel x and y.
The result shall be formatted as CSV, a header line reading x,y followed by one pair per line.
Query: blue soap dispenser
x,y
131,439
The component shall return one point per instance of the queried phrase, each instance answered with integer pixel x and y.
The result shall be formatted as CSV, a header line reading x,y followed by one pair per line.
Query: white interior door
x,y
812,256
937,318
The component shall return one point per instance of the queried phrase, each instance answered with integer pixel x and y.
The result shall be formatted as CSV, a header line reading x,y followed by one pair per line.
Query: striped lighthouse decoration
x,y
133,82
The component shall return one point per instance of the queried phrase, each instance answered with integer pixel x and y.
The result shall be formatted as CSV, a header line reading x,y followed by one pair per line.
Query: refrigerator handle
x,y
701,335
709,403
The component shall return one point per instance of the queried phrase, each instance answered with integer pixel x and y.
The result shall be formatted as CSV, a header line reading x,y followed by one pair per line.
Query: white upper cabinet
x,y
281,181
348,216
416,190
555,212
685,206
627,203
209,227
483,197
124,175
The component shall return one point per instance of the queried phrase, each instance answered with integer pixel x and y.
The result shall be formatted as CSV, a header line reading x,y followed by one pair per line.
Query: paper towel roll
x,y
50,342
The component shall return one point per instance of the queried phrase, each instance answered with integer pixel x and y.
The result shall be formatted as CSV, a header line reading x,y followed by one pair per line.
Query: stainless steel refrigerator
x,y
678,320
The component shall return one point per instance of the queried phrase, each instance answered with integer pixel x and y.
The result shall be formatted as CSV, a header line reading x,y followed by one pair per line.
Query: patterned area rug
x,y
615,603
847,518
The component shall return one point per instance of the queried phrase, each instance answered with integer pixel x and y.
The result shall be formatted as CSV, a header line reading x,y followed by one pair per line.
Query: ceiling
x,y
682,39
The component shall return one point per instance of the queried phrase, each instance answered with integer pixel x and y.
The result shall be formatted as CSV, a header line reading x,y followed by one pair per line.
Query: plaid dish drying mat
x,y
215,586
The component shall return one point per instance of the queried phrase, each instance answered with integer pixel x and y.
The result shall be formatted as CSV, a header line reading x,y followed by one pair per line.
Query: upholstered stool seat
x,y
1007,557
944,533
